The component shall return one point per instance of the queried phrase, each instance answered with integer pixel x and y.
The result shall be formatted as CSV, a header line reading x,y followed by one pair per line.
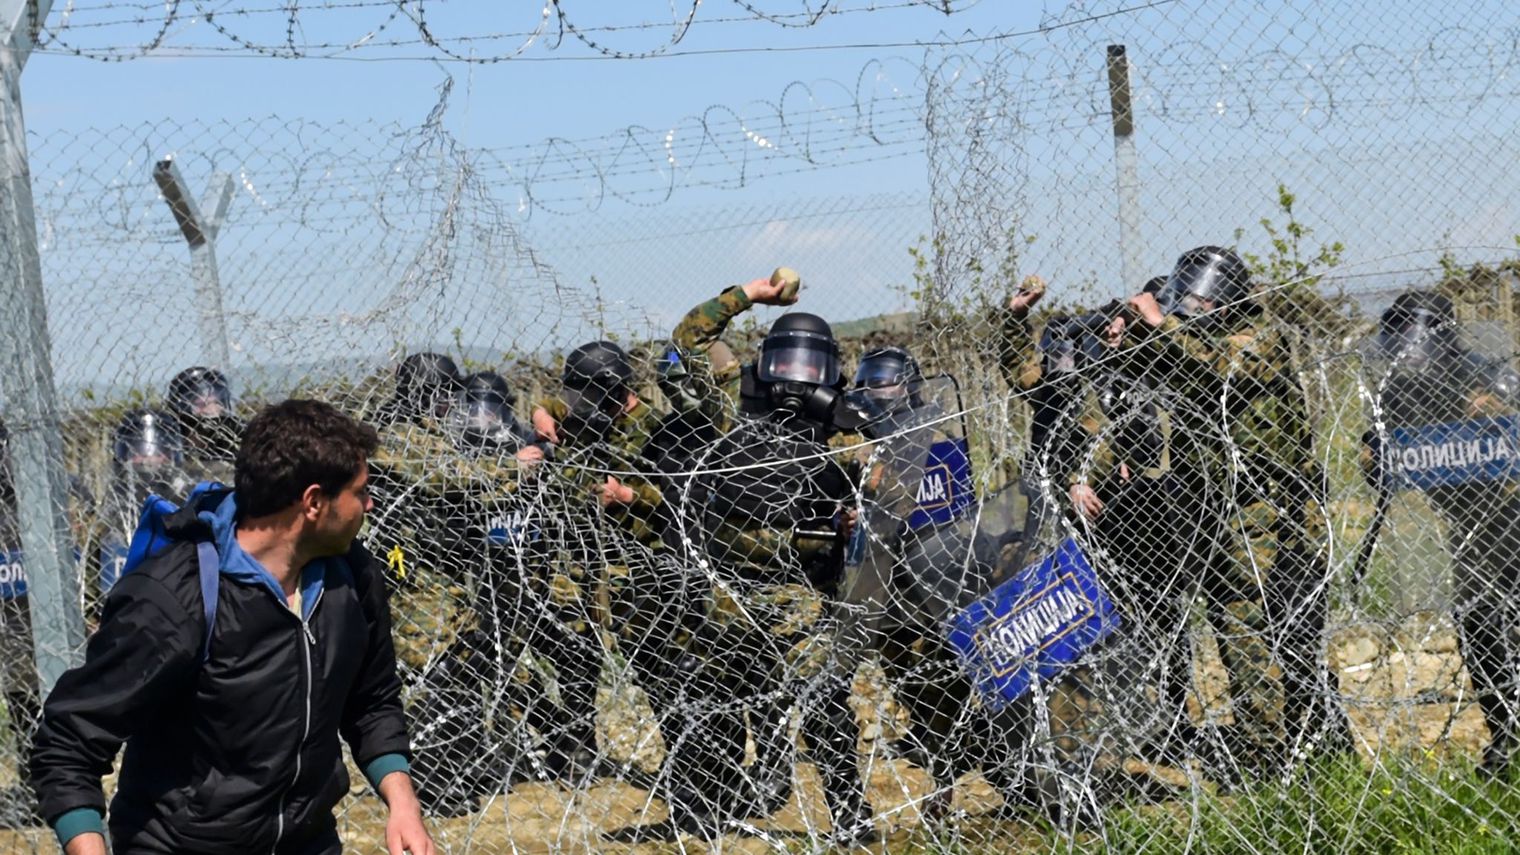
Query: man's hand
x,y
1086,501
404,830
89,843
1030,291
529,454
1149,310
767,293
1114,335
614,492
848,519
544,426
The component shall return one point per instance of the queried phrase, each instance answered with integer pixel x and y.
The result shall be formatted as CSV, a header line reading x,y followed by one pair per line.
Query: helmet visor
x,y
207,401
1412,340
477,418
595,398
1059,355
879,373
151,451
1194,289
800,358
884,381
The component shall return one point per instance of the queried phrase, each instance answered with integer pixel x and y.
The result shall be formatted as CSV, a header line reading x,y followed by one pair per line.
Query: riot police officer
x,y
408,478
425,386
201,402
19,673
944,552
147,458
770,528
481,418
1088,427
1255,485
473,706
1046,371
597,426
1434,380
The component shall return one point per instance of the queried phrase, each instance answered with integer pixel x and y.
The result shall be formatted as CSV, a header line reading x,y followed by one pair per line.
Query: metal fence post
x,y
200,232
1132,263
26,375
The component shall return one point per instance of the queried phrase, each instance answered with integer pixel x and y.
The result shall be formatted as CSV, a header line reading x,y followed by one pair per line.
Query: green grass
x,y
1334,805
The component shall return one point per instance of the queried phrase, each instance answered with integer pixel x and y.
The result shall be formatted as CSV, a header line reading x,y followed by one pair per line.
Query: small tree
x,y
1291,275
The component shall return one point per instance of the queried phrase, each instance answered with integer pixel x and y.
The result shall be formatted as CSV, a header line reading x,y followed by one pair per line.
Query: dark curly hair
x,y
294,444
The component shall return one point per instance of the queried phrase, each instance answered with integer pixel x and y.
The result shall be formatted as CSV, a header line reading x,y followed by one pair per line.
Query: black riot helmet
x,y
1154,285
425,385
1419,328
597,379
798,368
198,395
1068,345
482,412
147,444
799,348
201,400
598,365
1205,279
889,378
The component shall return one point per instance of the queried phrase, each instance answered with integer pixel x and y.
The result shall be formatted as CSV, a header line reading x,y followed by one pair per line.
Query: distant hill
x,y
277,379
897,322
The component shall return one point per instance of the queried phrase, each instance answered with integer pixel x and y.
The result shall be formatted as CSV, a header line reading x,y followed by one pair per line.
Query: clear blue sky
x,y
506,103
1393,121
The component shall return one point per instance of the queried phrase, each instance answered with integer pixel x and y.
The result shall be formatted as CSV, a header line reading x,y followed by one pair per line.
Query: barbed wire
x,y
245,29
545,714
883,115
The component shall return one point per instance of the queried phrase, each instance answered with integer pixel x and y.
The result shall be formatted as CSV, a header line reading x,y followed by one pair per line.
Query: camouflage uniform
x,y
773,560
1242,439
455,541
696,333
586,586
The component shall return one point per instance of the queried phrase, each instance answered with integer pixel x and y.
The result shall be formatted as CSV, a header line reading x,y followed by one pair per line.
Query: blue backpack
x,y
152,538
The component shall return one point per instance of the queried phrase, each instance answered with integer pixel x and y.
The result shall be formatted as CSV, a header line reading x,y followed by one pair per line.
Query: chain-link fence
x,y
1013,564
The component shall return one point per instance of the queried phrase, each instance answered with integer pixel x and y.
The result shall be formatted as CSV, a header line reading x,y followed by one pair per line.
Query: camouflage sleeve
x,y
639,425
1082,452
705,324
1017,356
555,408
1090,454
1204,364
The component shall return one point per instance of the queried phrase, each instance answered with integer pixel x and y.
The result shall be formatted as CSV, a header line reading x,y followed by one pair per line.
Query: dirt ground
x,y
1402,683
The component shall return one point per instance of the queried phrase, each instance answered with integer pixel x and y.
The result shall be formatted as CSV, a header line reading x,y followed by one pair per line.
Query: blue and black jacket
x,y
231,746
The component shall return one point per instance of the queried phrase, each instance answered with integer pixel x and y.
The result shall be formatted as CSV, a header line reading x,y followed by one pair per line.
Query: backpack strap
x,y
211,577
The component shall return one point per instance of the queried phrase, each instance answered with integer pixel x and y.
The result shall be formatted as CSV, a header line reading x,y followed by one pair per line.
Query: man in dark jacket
x,y
231,716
